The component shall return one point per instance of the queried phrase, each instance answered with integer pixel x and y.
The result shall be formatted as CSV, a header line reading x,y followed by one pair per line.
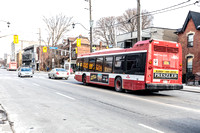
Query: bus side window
x,y
92,64
78,63
108,63
85,64
99,64
119,64
135,64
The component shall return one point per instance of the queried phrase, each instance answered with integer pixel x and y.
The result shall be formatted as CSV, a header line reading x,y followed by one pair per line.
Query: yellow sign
x,y
165,74
165,71
76,50
16,41
78,42
44,49
166,63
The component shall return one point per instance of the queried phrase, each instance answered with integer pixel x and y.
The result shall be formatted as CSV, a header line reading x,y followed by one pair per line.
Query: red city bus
x,y
149,65
12,66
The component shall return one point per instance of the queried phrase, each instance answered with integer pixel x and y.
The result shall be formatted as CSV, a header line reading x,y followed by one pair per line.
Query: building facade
x,y
189,37
127,40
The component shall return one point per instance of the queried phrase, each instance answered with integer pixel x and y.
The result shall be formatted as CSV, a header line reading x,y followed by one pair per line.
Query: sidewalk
x,y
191,88
4,121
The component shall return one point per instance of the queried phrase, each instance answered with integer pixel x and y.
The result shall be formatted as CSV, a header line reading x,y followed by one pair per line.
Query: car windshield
x,y
25,69
61,70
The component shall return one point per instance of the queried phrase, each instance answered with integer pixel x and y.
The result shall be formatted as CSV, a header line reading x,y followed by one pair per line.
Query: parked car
x,y
25,72
58,73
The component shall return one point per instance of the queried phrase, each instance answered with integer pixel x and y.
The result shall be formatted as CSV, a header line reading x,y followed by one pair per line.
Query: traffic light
x,y
78,42
45,49
16,40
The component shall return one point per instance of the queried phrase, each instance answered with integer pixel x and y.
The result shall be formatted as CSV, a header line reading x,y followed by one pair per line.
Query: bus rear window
x,y
165,49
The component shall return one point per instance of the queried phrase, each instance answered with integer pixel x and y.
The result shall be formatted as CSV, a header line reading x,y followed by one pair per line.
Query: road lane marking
x,y
135,97
65,96
36,84
148,127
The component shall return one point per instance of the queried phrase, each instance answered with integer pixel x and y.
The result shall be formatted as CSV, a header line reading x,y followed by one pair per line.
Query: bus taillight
x,y
150,67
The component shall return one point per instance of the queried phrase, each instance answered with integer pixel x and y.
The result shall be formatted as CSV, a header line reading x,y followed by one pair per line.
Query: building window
x,y
189,64
190,40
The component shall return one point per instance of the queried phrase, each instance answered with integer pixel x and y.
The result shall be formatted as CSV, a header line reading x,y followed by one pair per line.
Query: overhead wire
x,y
170,8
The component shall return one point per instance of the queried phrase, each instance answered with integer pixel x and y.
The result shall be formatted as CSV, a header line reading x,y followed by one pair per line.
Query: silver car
x,y
25,72
58,73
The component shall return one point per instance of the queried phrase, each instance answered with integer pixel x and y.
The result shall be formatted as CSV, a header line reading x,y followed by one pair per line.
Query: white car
x,y
58,73
25,72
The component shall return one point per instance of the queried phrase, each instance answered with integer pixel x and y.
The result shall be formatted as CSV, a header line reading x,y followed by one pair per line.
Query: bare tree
x,y
57,27
128,21
105,30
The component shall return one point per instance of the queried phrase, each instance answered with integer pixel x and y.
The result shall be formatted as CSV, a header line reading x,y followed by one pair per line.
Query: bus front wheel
x,y
84,80
118,84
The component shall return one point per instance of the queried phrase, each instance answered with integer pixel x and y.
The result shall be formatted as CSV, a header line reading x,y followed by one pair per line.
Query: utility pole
x,y
40,57
139,28
70,58
91,23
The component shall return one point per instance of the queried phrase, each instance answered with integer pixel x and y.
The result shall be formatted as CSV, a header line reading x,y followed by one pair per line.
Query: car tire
x,y
67,78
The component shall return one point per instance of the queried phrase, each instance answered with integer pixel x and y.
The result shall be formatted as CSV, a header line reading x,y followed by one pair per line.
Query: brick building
x,y
76,51
189,37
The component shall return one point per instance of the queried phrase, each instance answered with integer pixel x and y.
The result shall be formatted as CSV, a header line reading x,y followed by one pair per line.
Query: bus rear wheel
x,y
118,84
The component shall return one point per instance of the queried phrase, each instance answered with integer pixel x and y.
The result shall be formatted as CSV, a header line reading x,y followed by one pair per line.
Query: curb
x,y
5,124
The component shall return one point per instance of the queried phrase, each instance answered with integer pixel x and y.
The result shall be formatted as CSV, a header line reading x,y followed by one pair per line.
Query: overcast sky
x,y
26,16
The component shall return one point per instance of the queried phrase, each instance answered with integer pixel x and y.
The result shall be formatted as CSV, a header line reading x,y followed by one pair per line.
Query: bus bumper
x,y
160,87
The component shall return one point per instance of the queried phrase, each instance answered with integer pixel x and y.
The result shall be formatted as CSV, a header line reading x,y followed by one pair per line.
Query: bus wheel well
x,y
84,79
117,77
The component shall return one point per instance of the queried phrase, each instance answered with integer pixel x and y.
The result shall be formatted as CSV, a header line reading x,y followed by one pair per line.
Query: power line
x,y
156,12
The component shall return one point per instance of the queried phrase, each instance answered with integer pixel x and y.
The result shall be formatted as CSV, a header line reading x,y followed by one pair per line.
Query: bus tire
x,y
84,79
118,84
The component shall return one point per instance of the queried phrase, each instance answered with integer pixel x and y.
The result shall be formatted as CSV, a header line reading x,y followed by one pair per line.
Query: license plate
x,y
166,62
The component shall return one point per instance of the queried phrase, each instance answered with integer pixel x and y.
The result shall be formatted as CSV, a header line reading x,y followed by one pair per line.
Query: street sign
x,y
15,41
45,49
53,47
78,42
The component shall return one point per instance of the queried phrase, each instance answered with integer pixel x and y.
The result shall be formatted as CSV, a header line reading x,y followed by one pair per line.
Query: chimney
x,y
100,45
